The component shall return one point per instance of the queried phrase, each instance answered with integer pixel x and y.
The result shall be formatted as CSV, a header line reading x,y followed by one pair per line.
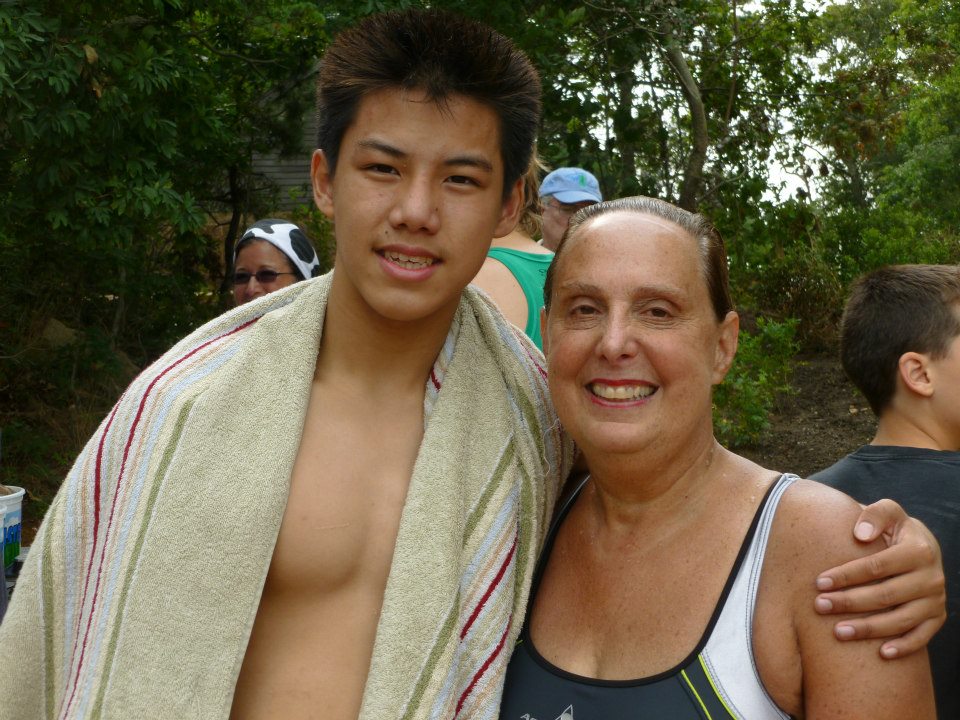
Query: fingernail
x,y
844,632
823,605
863,531
889,651
824,583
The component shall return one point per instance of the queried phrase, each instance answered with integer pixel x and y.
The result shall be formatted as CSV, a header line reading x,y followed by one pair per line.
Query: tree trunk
x,y
230,239
692,185
623,121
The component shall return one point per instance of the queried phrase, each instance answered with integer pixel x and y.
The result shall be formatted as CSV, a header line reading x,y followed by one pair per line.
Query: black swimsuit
x,y
717,680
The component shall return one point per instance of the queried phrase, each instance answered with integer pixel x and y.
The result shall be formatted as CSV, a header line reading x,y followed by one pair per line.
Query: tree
x,y
126,130
125,127
882,116
671,98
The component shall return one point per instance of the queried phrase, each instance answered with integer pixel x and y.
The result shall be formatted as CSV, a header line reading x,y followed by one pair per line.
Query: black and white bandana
x,y
288,239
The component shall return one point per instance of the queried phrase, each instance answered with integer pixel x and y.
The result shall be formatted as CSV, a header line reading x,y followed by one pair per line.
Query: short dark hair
x,y
441,54
892,311
713,253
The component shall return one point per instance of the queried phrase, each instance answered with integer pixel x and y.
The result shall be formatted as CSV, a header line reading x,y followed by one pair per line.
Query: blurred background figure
x,y
516,266
271,254
563,192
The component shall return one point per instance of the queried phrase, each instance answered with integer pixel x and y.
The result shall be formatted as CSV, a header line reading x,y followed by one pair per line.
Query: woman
x,y
676,581
271,255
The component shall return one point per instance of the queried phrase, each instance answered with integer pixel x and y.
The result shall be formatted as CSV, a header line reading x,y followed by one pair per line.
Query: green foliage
x,y
883,116
320,230
760,372
125,128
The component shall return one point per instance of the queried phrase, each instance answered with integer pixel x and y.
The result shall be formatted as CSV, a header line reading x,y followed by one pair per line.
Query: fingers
x,y
880,626
871,598
905,581
911,642
913,622
919,556
895,621
882,516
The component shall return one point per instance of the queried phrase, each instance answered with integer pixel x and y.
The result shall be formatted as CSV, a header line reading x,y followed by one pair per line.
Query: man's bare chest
x,y
347,491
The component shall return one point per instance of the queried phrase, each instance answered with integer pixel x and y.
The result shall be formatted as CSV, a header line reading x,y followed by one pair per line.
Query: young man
x,y
329,500
900,344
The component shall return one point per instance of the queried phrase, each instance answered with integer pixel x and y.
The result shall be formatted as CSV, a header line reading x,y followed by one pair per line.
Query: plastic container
x,y
12,523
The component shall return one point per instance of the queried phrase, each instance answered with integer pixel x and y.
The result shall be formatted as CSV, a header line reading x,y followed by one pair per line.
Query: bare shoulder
x,y
818,521
495,279
806,670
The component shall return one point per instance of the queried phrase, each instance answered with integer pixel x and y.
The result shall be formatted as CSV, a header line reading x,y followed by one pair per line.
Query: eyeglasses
x,y
568,208
263,277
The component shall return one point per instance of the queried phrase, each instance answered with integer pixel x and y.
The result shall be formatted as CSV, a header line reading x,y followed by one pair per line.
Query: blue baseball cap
x,y
571,185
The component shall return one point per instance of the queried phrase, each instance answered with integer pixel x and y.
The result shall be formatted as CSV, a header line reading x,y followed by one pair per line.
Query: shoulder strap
x,y
728,654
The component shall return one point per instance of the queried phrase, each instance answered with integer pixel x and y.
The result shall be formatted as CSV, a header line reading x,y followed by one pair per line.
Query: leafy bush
x,y
760,372
320,230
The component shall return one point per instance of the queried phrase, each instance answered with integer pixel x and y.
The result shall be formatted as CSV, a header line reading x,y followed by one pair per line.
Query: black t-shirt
x,y
927,484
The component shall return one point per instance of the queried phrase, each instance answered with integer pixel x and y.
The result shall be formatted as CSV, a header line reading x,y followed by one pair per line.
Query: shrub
x,y
760,372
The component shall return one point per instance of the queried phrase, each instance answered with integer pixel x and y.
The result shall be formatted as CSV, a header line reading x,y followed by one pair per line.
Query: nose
x,y
417,207
253,288
619,339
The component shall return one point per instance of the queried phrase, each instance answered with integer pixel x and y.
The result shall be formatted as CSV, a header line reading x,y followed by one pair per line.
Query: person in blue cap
x,y
563,192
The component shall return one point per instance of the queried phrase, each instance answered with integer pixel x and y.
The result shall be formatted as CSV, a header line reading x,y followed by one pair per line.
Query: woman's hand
x,y
902,585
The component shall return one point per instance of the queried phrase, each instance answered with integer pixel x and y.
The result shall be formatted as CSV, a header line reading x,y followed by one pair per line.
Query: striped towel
x,y
138,597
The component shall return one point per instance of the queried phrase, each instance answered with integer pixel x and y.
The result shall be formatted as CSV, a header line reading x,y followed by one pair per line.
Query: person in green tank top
x,y
516,265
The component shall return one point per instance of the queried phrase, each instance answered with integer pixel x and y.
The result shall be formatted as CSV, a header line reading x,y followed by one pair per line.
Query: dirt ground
x,y
824,420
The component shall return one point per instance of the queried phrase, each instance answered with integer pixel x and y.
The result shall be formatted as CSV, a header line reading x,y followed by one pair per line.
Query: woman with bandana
x,y
271,255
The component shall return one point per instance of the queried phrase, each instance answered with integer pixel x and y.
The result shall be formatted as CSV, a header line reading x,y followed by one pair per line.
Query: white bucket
x,y
12,522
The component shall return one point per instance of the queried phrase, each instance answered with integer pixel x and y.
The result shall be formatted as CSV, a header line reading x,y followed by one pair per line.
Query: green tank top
x,y
530,271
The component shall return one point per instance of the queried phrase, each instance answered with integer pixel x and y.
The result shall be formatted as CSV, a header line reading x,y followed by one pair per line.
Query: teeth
x,y
621,392
409,262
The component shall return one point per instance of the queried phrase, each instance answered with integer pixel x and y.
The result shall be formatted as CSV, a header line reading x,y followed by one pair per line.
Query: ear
x,y
322,181
543,330
914,371
726,350
510,212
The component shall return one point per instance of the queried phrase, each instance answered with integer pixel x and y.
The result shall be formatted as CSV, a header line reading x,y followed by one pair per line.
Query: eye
x,y
462,180
583,310
381,168
657,311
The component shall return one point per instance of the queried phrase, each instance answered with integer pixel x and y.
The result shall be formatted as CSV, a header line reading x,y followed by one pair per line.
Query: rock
x,y
56,334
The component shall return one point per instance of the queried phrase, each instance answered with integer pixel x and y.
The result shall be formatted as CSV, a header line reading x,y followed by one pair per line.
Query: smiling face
x,y
416,198
632,341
